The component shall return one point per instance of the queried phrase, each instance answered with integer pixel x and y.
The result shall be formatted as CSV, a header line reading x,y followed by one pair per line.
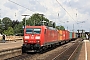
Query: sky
x,y
72,14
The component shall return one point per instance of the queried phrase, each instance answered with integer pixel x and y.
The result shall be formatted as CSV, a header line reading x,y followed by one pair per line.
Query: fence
x,y
12,38
0,37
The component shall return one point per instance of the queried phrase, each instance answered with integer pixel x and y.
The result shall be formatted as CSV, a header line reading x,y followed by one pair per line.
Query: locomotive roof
x,y
51,28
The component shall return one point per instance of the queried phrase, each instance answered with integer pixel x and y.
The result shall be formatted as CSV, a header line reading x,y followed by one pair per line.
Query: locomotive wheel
x,y
23,50
41,50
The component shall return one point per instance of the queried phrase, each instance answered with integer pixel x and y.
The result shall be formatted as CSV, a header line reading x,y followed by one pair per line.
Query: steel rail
x,y
64,52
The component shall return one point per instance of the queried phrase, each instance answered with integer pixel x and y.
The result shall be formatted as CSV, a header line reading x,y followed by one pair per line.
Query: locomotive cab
x,y
39,38
32,38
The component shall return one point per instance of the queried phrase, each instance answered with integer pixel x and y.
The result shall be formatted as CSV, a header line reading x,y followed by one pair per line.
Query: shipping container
x,y
63,33
60,35
73,35
70,35
66,35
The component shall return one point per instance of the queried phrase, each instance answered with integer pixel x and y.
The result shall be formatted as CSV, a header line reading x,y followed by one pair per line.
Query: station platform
x,y
11,45
85,51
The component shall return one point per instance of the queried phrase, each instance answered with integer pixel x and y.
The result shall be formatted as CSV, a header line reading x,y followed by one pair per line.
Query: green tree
x,y
60,27
50,24
15,22
9,31
7,22
18,28
0,21
1,27
36,19
54,25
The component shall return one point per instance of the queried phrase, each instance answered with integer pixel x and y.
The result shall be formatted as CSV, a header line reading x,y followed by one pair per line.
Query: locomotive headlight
x,y
26,37
37,37
26,41
38,41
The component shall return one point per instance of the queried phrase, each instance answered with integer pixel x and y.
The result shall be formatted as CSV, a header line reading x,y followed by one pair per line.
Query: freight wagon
x,y
63,36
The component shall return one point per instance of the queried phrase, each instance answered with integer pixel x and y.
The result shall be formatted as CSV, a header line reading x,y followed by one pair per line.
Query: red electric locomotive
x,y
38,38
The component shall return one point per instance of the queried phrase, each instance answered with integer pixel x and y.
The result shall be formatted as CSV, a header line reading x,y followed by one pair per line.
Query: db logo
x,y
32,37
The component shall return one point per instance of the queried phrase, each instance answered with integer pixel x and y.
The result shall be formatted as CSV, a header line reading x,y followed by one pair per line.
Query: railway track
x,y
5,54
70,53
65,52
24,57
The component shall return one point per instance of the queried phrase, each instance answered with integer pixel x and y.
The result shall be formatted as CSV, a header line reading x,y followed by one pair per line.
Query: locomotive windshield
x,y
33,30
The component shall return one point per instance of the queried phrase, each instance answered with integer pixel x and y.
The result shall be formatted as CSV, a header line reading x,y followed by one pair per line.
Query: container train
x,y
39,38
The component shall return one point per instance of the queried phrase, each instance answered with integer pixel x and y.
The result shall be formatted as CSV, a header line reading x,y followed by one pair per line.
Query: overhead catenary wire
x,y
74,12
72,9
23,6
19,5
42,5
70,6
65,10
38,2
